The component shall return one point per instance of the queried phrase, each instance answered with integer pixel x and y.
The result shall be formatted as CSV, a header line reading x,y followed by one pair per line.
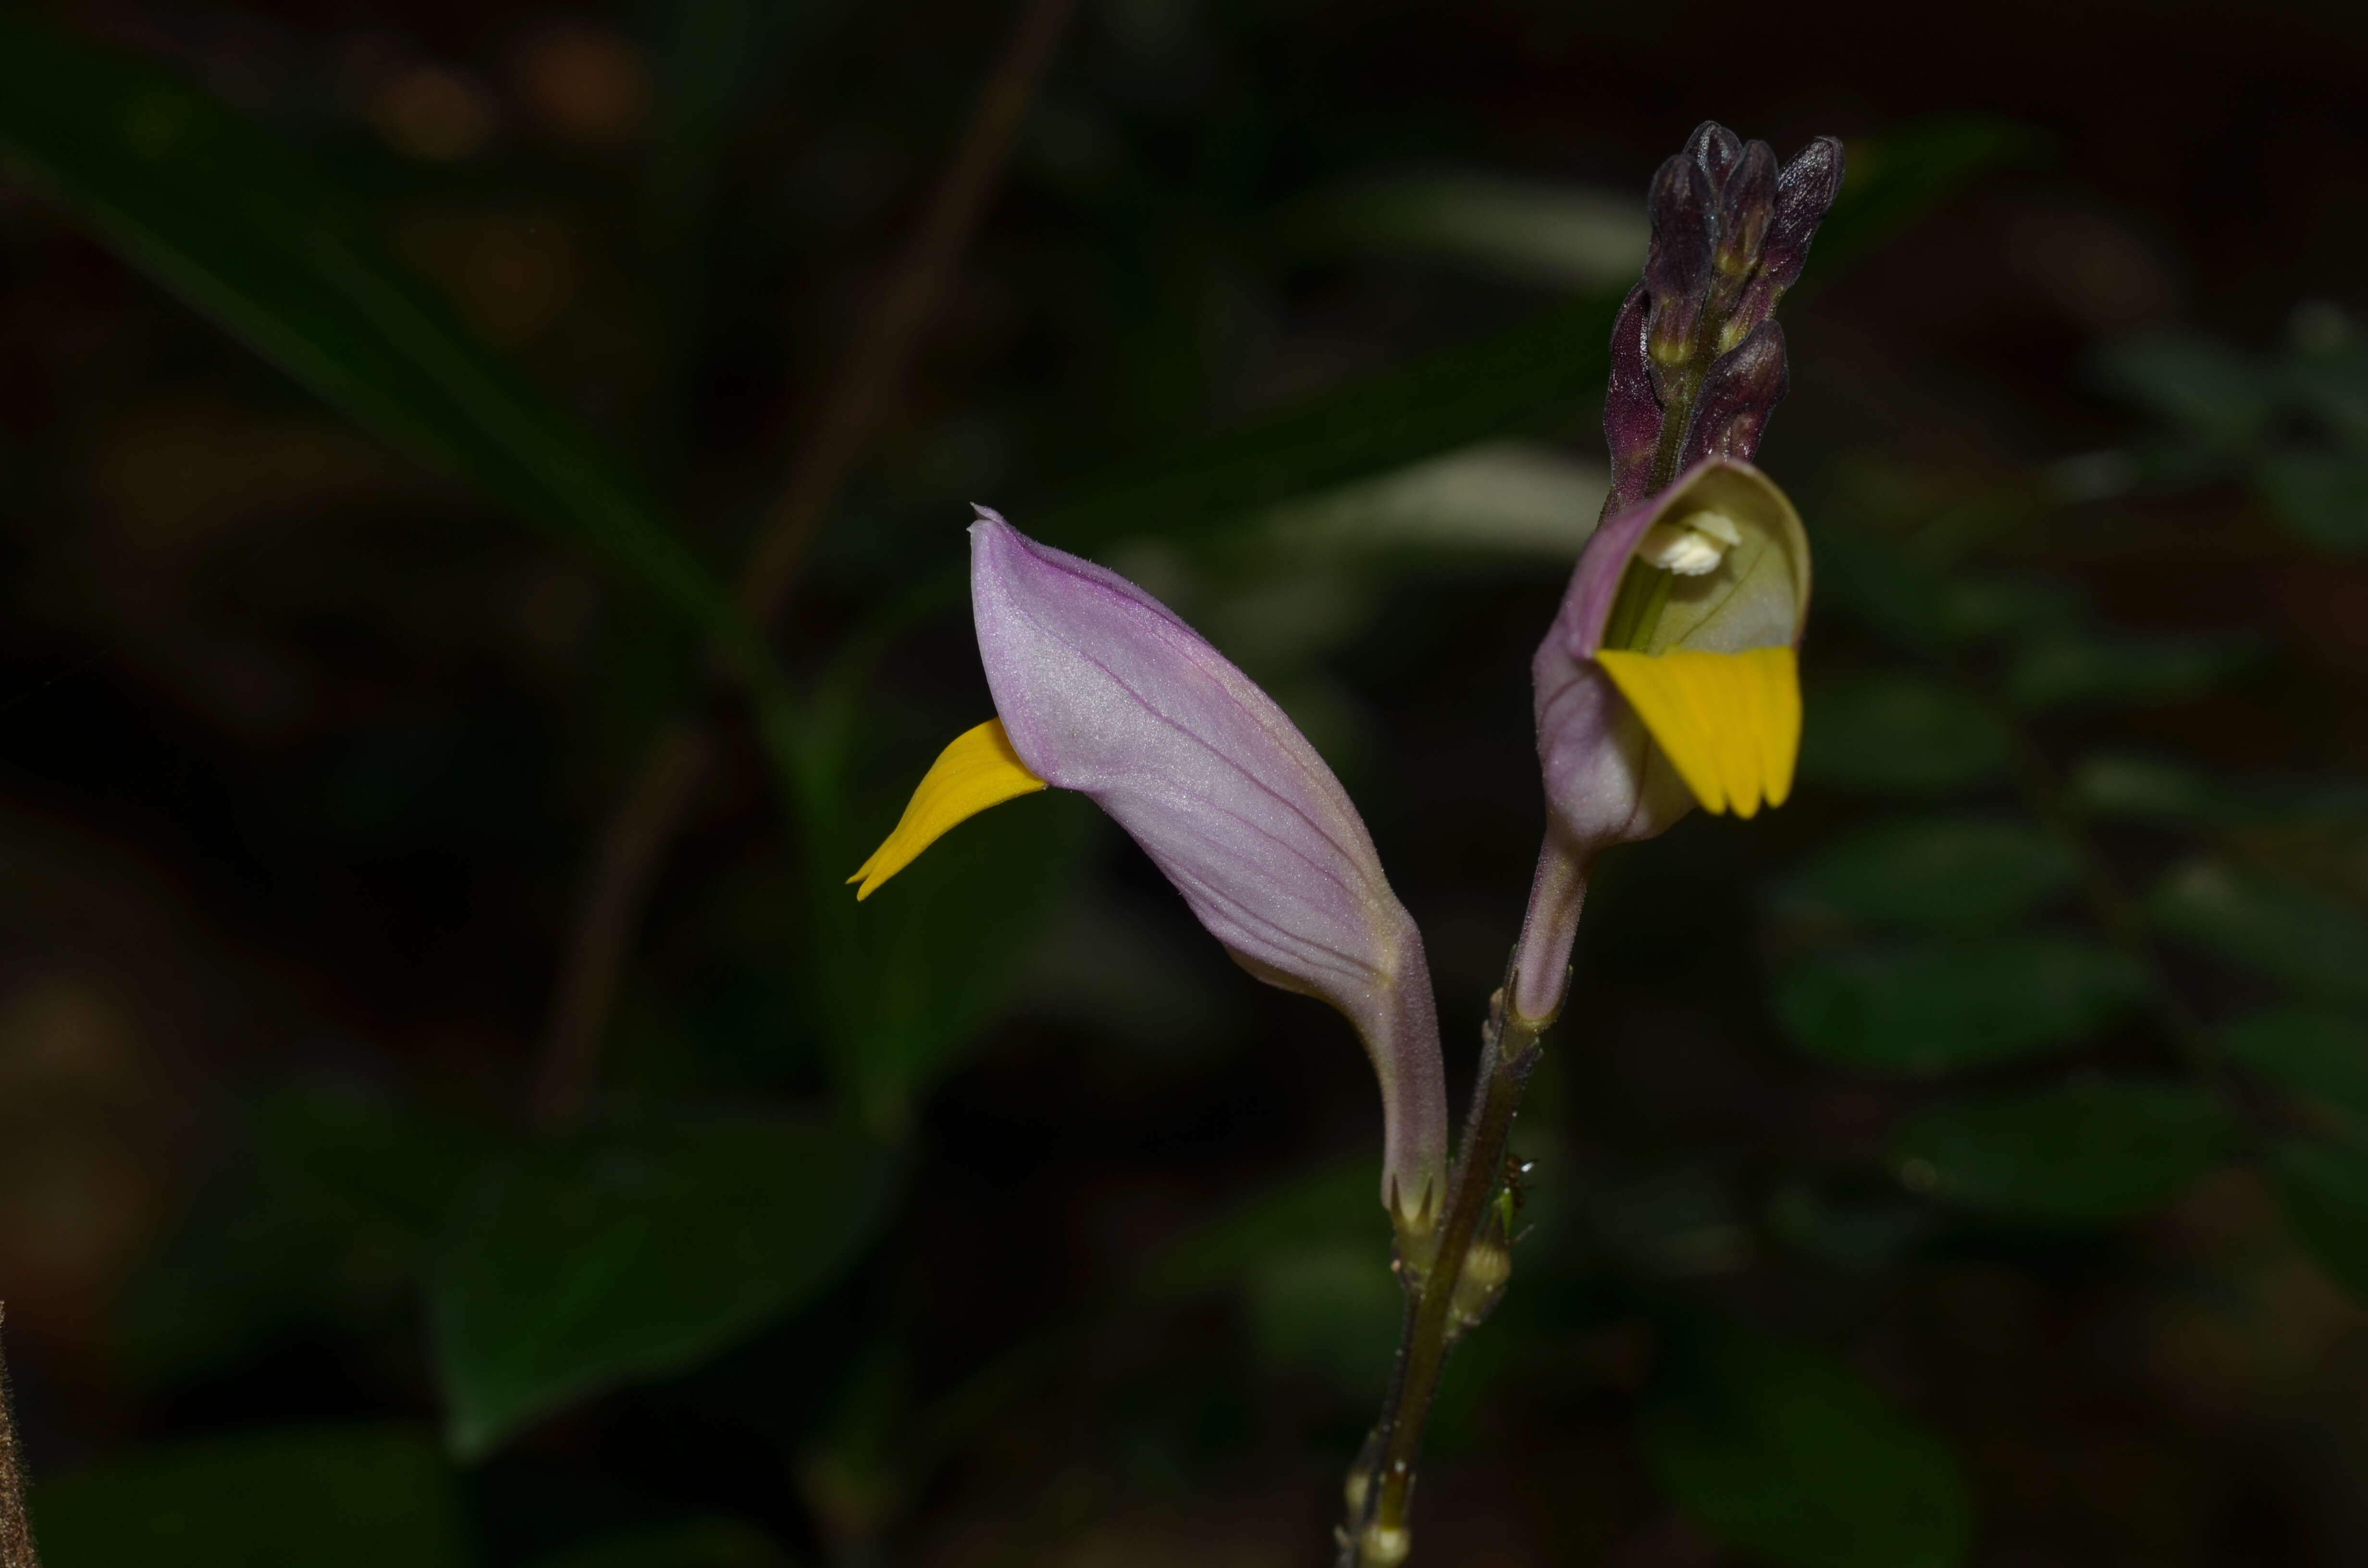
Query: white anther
x,y
1689,547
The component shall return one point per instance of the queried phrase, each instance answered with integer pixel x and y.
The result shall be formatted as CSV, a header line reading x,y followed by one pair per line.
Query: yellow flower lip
x,y
1696,601
978,770
1730,723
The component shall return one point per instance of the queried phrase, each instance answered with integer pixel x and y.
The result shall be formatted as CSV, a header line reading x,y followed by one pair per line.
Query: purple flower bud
x,y
1746,203
1744,386
1805,189
1632,415
1678,262
1716,148
1103,690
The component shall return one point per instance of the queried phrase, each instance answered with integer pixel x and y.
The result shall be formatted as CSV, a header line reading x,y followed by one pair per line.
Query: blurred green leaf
x,y
238,227
2063,671
1901,734
1785,1454
1948,1007
1883,586
1982,607
1510,497
2146,787
906,982
1531,231
638,1250
707,1543
2319,1055
1452,398
329,1214
1861,1231
708,56
1122,971
1550,365
2091,1152
2324,1188
2330,383
1960,873
1332,1310
2321,496
2204,393
1316,1210
1672,1219
358,1497
2285,929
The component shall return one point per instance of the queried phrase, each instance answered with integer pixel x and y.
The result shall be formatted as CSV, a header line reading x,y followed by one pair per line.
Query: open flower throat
x,y
1699,636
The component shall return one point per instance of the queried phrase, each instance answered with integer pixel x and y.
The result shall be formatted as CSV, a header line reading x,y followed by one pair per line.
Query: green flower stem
x,y
1380,1489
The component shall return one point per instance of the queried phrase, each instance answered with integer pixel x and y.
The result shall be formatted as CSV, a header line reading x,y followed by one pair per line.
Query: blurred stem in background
x,y
630,847
16,1533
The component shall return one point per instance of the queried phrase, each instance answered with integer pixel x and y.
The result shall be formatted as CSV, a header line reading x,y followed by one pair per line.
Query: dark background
x,y
306,727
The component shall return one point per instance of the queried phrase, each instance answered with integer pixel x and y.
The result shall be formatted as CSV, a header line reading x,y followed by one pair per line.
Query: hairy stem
x,y
1375,1534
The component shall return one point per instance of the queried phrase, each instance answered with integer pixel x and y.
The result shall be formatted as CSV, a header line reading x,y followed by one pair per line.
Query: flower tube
x,y
1100,688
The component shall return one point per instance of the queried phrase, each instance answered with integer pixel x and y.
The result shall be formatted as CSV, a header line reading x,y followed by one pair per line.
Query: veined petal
x,y
1107,692
1730,723
980,769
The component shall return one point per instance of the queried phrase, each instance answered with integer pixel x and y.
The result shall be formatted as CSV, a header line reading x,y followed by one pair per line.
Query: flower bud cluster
x,y
1697,358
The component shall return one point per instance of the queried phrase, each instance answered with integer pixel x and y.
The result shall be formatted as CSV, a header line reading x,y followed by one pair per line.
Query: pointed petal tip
x,y
979,769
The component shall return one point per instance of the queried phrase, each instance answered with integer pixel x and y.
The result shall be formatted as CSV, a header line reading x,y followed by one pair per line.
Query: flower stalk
x,y
1668,681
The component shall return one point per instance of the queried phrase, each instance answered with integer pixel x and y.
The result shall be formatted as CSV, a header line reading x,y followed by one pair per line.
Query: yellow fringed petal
x,y
979,770
1729,722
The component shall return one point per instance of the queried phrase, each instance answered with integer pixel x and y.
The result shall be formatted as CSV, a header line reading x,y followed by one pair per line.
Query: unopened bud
x,y
1745,204
1488,1266
1744,386
1676,264
1716,149
1805,189
1672,330
1757,303
1632,415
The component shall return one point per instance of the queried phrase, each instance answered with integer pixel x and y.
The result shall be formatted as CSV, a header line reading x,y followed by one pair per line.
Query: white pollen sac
x,y
1689,547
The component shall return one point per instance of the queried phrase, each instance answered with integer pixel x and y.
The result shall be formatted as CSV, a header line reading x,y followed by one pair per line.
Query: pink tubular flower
x,y
1099,689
